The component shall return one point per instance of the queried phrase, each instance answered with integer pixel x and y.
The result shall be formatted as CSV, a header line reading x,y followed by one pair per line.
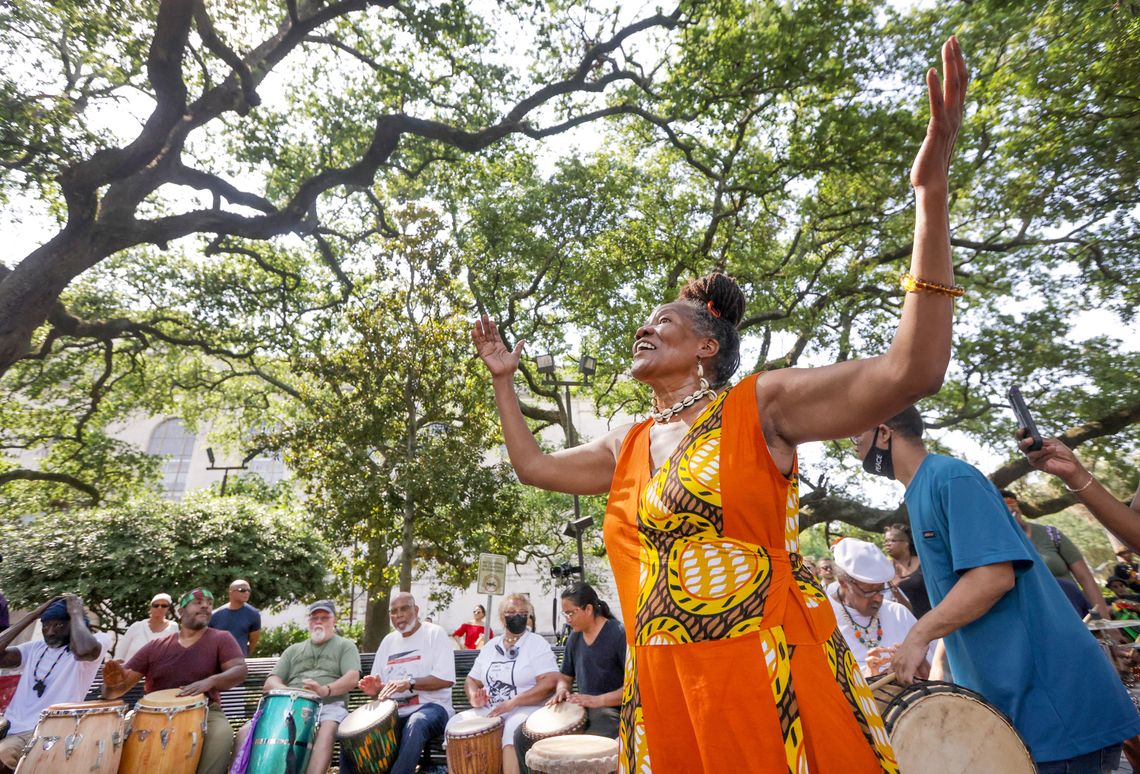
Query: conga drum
x,y
557,720
475,746
574,754
285,733
368,736
942,728
81,737
165,734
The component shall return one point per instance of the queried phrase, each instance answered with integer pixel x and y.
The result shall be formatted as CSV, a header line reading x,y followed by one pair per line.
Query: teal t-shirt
x,y
324,663
1030,655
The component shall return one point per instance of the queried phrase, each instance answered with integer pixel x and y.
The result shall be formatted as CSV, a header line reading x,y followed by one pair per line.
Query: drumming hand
x,y
561,695
502,708
584,700
479,697
909,660
198,686
312,686
113,673
371,685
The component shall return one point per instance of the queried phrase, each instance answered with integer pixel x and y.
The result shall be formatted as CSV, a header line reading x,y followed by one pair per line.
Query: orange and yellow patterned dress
x,y
734,663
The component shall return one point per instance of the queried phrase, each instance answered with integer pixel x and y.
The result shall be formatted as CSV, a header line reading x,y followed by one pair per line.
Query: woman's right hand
x,y
499,360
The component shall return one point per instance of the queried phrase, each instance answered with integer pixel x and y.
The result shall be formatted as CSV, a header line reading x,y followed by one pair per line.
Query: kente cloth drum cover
x,y
942,728
564,718
368,736
475,746
573,754
285,733
80,737
165,734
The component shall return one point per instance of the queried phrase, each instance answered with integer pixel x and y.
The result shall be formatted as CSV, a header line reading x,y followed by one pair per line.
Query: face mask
x,y
878,461
516,624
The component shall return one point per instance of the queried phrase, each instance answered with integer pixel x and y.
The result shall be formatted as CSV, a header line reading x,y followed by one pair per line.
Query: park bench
x,y
240,702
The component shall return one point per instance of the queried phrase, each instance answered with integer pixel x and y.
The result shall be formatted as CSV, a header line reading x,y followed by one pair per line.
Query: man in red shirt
x,y
197,659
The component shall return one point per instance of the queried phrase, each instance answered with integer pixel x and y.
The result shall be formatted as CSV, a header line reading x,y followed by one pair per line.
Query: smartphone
x,y
1024,418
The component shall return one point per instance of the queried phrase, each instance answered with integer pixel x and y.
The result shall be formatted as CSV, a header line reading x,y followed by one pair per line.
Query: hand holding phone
x,y
1024,419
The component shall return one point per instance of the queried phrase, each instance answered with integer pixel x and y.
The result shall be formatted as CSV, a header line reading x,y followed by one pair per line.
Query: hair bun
x,y
719,290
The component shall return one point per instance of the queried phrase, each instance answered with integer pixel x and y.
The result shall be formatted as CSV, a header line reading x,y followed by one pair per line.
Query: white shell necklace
x,y
661,417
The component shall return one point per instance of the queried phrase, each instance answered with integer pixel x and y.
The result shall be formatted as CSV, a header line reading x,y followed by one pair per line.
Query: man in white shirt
x,y
415,667
870,624
58,669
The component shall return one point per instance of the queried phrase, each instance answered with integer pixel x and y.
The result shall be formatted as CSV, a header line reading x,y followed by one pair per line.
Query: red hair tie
x,y
712,310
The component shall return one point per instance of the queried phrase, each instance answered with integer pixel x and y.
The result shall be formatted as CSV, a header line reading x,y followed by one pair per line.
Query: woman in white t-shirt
x,y
141,632
513,675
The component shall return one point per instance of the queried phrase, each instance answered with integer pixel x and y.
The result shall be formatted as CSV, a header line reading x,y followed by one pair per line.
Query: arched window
x,y
175,444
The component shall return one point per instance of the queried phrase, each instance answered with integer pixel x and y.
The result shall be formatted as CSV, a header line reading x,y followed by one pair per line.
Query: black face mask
x,y
516,624
878,461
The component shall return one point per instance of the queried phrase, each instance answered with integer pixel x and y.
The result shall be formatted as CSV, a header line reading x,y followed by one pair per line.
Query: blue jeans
x,y
414,731
1096,762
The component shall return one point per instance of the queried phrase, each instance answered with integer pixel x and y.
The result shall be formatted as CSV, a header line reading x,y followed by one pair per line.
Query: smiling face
x,y
666,347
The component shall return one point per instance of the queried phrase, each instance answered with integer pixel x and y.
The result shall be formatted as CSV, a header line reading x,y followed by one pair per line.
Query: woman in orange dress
x,y
734,659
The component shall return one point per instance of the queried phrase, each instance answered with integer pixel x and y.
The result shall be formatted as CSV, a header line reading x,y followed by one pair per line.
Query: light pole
x,y
587,366
227,468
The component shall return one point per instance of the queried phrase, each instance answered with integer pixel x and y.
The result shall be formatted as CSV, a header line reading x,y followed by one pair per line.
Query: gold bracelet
x,y
1083,488
912,284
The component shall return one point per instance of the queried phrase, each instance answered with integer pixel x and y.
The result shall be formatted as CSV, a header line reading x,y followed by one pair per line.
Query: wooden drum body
x,y
557,720
165,734
368,736
942,728
80,737
475,746
574,754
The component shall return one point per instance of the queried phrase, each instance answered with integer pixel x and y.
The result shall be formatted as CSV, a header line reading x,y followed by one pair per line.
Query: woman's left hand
x,y
947,104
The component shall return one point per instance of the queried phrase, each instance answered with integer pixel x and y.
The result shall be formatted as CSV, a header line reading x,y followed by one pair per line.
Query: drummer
x,y
872,626
415,667
57,670
325,664
513,675
196,659
595,657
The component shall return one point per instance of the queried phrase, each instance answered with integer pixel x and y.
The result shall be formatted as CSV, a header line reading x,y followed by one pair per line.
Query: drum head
x,y
555,720
472,726
294,693
365,717
950,731
170,698
574,753
86,706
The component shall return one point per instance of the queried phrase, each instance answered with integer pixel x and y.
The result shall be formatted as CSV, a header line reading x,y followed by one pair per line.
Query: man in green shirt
x,y
325,664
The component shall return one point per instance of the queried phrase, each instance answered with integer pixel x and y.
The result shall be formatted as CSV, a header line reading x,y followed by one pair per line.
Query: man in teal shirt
x,y
1010,634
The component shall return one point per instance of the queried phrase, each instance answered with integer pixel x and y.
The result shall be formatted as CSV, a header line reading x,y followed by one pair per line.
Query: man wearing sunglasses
x,y
871,624
152,628
197,659
239,618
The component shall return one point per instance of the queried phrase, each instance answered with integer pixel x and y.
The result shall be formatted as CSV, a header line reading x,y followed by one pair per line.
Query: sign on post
x,y
492,575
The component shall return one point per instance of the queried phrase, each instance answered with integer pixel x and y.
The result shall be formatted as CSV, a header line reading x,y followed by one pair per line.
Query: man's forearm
x,y
231,677
971,597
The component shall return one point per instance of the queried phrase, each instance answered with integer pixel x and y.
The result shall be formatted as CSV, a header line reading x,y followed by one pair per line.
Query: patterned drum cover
x,y
368,737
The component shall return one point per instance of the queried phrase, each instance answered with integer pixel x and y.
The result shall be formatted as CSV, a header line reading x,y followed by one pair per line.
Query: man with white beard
x,y
415,667
325,664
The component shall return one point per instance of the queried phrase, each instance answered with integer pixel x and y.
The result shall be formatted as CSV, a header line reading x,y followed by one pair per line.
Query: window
x,y
174,443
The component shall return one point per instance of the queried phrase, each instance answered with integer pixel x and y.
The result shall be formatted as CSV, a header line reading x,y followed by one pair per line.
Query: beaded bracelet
x,y
912,284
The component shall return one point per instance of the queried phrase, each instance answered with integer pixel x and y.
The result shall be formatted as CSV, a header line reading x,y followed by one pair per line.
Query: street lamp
x,y
587,366
227,468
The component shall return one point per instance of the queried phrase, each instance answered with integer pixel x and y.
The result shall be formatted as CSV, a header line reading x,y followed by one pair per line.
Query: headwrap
x,y
56,611
198,593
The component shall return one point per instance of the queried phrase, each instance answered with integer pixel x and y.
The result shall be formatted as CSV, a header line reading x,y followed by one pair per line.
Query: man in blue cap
x,y
57,670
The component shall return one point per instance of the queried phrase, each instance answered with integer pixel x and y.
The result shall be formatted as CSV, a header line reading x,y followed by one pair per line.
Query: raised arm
x,y
810,404
583,470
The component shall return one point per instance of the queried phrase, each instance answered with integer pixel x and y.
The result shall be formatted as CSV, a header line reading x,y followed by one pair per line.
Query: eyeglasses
x,y
159,604
242,590
572,612
864,592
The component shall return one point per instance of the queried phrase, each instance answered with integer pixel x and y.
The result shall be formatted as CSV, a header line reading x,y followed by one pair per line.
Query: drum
x,y
82,737
564,718
285,733
574,754
942,728
368,736
165,734
475,746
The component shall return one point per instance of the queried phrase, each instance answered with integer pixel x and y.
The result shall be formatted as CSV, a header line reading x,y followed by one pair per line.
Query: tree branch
x,y
24,474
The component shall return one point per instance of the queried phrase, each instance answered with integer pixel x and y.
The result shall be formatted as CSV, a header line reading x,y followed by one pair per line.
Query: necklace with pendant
x,y
39,684
863,633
